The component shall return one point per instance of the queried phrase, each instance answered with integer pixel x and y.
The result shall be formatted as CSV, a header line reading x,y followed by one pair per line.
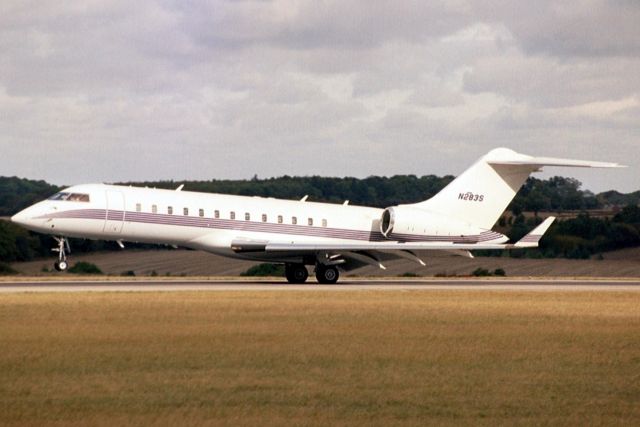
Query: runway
x,y
351,284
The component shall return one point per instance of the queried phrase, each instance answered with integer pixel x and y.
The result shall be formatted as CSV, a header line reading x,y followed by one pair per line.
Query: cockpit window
x,y
70,197
59,196
78,197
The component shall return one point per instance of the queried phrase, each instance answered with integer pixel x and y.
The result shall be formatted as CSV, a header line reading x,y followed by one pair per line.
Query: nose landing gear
x,y
62,249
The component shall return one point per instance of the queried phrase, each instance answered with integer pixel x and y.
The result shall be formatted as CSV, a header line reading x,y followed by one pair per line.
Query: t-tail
x,y
480,195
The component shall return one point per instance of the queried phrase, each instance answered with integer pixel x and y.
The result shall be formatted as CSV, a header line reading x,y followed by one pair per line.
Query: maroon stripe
x,y
263,227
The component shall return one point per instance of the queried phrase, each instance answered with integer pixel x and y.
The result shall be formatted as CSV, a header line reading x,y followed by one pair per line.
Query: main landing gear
x,y
296,273
325,274
62,249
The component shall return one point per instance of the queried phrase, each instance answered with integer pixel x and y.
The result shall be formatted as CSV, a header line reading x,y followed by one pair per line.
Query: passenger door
x,y
115,212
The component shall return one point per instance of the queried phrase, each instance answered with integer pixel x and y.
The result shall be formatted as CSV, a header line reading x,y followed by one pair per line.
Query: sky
x,y
107,91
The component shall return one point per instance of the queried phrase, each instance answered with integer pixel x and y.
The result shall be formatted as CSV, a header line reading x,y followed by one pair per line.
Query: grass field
x,y
320,358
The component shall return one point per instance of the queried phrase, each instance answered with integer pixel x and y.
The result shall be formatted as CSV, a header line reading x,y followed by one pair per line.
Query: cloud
x,y
584,28
549,82
110,91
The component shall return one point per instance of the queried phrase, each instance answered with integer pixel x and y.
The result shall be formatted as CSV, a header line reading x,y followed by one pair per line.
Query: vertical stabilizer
x,y
481,193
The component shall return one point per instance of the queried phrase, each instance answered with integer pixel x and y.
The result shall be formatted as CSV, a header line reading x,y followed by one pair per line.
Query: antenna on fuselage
x,y
304,199
180,187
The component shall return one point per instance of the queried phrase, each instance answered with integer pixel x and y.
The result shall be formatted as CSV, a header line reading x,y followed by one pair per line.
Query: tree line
x,y
579,238
553,194
576,238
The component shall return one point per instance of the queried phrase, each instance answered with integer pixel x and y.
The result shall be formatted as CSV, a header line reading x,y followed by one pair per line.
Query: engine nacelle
x,y
405,222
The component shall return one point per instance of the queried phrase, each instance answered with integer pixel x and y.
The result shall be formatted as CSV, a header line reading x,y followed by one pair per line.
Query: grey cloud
x,y
583,28
313,24
549,82
66,49
173,89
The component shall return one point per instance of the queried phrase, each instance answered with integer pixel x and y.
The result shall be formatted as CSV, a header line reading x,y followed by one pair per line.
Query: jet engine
x,y
403,222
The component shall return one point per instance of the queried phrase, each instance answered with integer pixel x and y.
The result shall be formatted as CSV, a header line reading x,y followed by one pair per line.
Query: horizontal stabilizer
x,y
532,239
517,159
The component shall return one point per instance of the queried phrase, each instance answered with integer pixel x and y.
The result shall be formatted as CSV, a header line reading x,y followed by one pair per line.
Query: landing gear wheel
x,y
296,273
327,275
62,249
60,265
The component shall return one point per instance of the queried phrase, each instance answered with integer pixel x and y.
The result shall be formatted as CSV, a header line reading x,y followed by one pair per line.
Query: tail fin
x,y
481,193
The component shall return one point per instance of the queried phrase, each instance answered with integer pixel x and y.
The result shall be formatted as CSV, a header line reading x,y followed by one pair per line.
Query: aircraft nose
x,y
30,218
27,217
20,218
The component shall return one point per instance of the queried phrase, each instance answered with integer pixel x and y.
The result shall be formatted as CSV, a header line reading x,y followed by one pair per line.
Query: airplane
x,y
330,237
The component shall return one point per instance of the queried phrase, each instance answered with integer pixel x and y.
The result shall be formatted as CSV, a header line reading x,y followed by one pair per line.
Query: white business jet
x,y
299,233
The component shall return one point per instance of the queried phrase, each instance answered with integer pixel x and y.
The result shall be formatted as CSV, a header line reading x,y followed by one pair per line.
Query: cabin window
x,y
280,219
310,221
216,214
170,210
324,222
264,217
294,220
138,207
154,209
200,212
185,211
232,215
247,217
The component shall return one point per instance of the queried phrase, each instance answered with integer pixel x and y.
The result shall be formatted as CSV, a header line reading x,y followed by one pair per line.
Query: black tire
x,y
327,275
296,273
60,265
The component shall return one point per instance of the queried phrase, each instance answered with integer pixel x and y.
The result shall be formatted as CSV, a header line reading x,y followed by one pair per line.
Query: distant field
x,y
331,358
623,263
593,213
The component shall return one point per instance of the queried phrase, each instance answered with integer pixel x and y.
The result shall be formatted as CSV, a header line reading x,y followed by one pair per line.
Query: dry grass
x,y
340,358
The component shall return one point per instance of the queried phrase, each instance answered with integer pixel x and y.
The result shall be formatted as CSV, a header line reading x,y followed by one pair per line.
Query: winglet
x,y
532,239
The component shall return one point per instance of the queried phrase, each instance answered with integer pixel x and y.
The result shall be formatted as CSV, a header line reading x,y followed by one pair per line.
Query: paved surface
x,y
162,285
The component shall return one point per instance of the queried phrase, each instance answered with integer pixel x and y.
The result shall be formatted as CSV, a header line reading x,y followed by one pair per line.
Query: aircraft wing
x,y
389,246
531,240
